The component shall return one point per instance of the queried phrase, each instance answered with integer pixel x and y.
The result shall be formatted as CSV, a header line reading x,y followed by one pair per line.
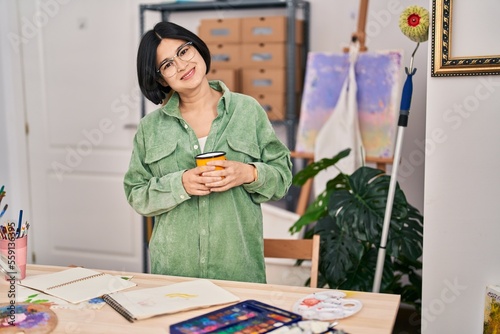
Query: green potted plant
x,y
349,217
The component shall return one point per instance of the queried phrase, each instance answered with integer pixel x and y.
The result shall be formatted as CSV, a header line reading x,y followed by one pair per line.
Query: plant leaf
x,y
406,240
339,252
314,168
360,278
314,211
362,207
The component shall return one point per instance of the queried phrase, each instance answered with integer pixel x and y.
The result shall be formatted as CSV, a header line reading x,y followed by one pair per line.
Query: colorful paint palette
x,y
247,317
27,318
327,305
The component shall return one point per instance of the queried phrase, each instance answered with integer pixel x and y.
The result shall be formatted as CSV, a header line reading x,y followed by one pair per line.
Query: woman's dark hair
x,y
146,57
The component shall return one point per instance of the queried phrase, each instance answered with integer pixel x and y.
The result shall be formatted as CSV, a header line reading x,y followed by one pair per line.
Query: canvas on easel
x,y
377,77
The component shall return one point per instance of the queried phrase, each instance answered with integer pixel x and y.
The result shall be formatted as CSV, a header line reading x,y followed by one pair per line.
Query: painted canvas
x,y
378,80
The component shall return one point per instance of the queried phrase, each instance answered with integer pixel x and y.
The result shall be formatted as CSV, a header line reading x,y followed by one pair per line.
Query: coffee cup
x,y
202,159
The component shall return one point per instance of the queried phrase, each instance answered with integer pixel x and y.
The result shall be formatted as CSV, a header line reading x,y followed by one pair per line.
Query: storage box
x,y
263,81
273,104
266,80
230,77
269,29
492,310
266,55
220,30
225,55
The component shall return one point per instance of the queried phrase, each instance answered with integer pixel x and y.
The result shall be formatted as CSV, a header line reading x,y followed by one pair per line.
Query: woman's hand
x,y
195,183
232,175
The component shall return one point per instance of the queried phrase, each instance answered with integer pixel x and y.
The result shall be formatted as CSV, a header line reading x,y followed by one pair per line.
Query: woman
x,y
208,222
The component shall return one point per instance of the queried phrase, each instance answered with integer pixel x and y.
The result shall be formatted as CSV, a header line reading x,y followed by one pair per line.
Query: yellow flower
x,y
414,23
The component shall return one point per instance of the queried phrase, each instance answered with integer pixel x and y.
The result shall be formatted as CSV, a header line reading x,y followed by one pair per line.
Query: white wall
x,y
461,239
461,232
13,161
4,167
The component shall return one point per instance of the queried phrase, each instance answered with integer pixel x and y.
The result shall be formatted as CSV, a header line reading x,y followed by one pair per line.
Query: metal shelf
x,y
291,7
217,5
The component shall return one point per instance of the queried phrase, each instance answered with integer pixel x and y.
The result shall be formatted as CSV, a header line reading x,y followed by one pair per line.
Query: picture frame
x,y
443,62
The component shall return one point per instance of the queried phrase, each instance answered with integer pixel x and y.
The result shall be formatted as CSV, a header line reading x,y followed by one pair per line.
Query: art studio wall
x,y
13,155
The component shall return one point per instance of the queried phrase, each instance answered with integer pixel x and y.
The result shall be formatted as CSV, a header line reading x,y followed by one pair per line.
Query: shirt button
x,y
202,260
182,196
185,126
195,147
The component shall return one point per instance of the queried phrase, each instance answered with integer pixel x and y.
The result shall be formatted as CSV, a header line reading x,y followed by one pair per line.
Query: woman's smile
x,y
189,74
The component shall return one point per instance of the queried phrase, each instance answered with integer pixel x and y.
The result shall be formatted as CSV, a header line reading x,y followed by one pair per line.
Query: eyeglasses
x,y
168,68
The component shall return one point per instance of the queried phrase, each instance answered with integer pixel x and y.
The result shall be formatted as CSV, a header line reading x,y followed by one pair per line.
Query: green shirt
x,y
217,236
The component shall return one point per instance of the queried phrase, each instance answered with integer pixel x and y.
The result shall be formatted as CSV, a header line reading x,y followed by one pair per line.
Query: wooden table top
x,y
377,315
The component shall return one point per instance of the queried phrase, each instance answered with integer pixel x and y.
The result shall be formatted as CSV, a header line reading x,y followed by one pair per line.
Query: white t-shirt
x,y
202,141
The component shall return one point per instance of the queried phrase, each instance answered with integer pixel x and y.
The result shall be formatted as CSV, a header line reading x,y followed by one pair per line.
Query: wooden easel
x,y
360,34
381,163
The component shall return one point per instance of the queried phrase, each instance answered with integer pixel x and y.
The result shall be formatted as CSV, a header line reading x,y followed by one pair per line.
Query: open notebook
x,y
150,302
76,285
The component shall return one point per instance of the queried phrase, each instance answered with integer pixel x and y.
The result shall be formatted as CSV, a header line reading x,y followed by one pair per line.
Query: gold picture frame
x,y
443,62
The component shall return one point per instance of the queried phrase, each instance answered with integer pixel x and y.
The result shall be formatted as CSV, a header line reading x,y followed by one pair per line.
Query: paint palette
x,y
27,318
250,316
327,305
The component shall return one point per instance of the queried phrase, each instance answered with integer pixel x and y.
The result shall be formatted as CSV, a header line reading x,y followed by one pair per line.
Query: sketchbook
x,y
150,302
76,285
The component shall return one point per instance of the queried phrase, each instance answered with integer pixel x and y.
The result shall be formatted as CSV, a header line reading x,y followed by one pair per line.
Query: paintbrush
x,y
4,209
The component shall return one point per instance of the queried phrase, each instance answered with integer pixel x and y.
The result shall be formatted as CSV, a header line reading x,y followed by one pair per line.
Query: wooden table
x,y
377,315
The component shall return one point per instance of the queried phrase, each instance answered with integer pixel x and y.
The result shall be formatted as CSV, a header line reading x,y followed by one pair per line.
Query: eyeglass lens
x,y
169,68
